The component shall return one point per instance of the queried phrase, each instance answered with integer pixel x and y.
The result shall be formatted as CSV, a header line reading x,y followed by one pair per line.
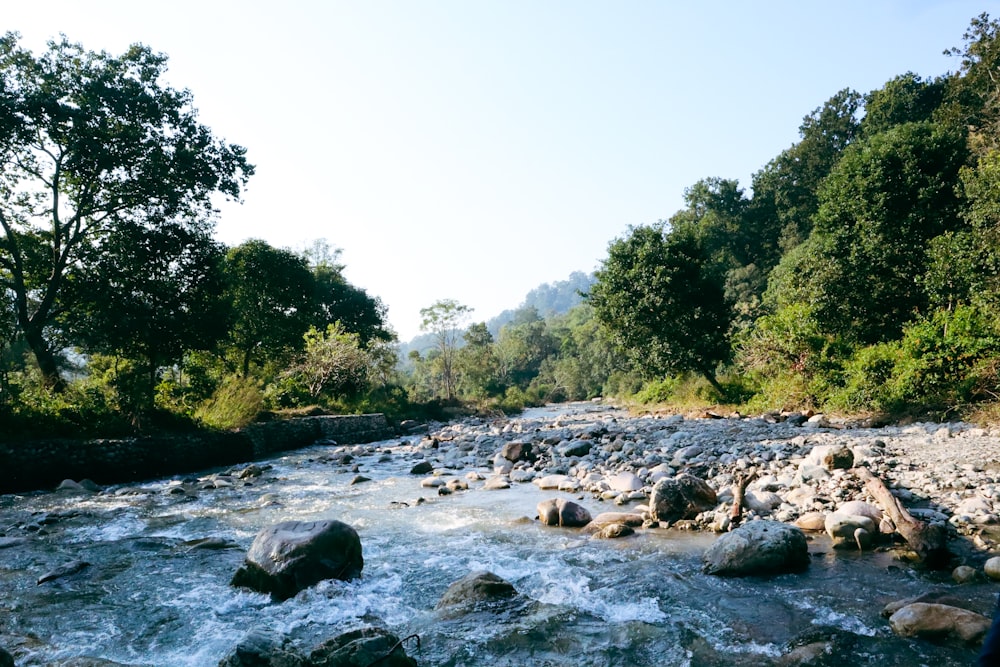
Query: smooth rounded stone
x,y
496,483
762,502
422,468
685,454
361,648
811,522
831,457
457,485
963,574
517,450
522,475
432,482
758,547
975,505
261,649
938,621
293,555
501,466
850,530
6,659
992,568
683,497
549,482
813,473
861,508
562,512
625,481
477,587
614,531
359,479
574,448
935,597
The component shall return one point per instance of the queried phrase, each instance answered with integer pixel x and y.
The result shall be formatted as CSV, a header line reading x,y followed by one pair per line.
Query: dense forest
x,y
857,272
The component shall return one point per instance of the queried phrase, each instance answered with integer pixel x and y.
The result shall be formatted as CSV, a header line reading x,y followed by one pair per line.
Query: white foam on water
x,y
824,616
605,603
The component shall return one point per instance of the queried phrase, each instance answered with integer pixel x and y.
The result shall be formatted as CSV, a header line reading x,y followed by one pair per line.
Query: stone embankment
x,y
40,464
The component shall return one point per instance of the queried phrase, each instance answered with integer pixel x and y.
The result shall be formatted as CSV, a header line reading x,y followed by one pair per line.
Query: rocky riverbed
x,y
140,574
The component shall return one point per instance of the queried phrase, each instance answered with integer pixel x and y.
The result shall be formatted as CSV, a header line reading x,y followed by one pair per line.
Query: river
x,y
150,596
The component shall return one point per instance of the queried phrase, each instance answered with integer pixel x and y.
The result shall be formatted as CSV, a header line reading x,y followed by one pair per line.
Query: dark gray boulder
x,y
758,547
6,659
561,512
291,556
362,648
477,587
517,450
682,497
260,649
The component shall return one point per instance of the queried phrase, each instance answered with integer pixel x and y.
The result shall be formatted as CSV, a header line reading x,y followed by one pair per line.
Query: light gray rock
x,y
683,497
758,547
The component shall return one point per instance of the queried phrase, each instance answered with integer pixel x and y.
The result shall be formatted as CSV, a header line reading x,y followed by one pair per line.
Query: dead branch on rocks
x,y
927,540
739,495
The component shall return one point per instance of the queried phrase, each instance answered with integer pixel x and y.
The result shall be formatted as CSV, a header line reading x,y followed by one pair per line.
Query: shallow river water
x,y
150,597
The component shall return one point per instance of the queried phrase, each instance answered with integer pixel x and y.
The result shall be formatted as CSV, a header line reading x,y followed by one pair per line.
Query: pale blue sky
x,y
473,150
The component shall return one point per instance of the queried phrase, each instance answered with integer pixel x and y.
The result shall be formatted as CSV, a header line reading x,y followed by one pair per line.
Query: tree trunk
x,y
739,495
926,539
710,376
47,363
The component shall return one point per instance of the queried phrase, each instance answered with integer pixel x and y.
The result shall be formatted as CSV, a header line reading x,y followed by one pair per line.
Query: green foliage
x,y
444,319
658,391
236,403
656,296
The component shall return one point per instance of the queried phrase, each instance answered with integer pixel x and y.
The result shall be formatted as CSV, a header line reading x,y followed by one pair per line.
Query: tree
x,y
91,141
148,294
444,319
660,304
271,292
880,208
972,98
904,99
476,362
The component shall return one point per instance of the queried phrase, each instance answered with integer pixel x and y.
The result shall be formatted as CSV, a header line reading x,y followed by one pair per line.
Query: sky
x,y
475,149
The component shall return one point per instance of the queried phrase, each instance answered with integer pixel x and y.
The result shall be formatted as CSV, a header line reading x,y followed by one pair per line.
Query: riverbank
x,y
431,508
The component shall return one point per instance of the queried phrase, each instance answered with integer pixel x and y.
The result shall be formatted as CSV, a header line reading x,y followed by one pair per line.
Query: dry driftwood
x,y
927,540
739,495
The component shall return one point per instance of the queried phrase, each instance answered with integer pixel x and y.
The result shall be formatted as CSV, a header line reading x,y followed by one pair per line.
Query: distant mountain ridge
x,y
548,299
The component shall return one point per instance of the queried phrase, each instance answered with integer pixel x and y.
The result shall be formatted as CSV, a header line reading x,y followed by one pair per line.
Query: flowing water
x,y
151,596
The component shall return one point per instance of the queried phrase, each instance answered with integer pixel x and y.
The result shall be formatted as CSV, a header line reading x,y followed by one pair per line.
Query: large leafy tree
x,y
150,295
91,141
271,292
661,304
888,197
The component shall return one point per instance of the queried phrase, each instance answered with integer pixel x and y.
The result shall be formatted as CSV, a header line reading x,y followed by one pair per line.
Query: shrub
x,y
236,403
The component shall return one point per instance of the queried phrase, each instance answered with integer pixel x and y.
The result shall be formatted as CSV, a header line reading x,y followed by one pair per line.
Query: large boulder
x,y
683,497
939,621
291,556
517,450
850,530
477,587
758,547
260,649
362,648
6,659
562,512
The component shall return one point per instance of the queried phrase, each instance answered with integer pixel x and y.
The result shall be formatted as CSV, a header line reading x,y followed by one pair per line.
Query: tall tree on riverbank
x,y
90,141
445,320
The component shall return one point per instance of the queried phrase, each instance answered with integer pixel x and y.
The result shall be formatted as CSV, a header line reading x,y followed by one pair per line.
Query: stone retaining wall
x,y
41,464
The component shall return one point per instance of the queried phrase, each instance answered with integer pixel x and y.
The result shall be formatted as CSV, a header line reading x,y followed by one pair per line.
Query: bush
x,y
657,391
236,403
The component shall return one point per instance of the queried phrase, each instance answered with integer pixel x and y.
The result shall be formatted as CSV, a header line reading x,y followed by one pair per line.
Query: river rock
x,y
574,448
607,518
758,547
935,597
831,457
850,530
811,522
938,621
422,468
562,512
992,568
625,481
362,648
613,531
291,556
517,450
496,482
260,649
683,497
6,659
964,574
71,568
477,587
